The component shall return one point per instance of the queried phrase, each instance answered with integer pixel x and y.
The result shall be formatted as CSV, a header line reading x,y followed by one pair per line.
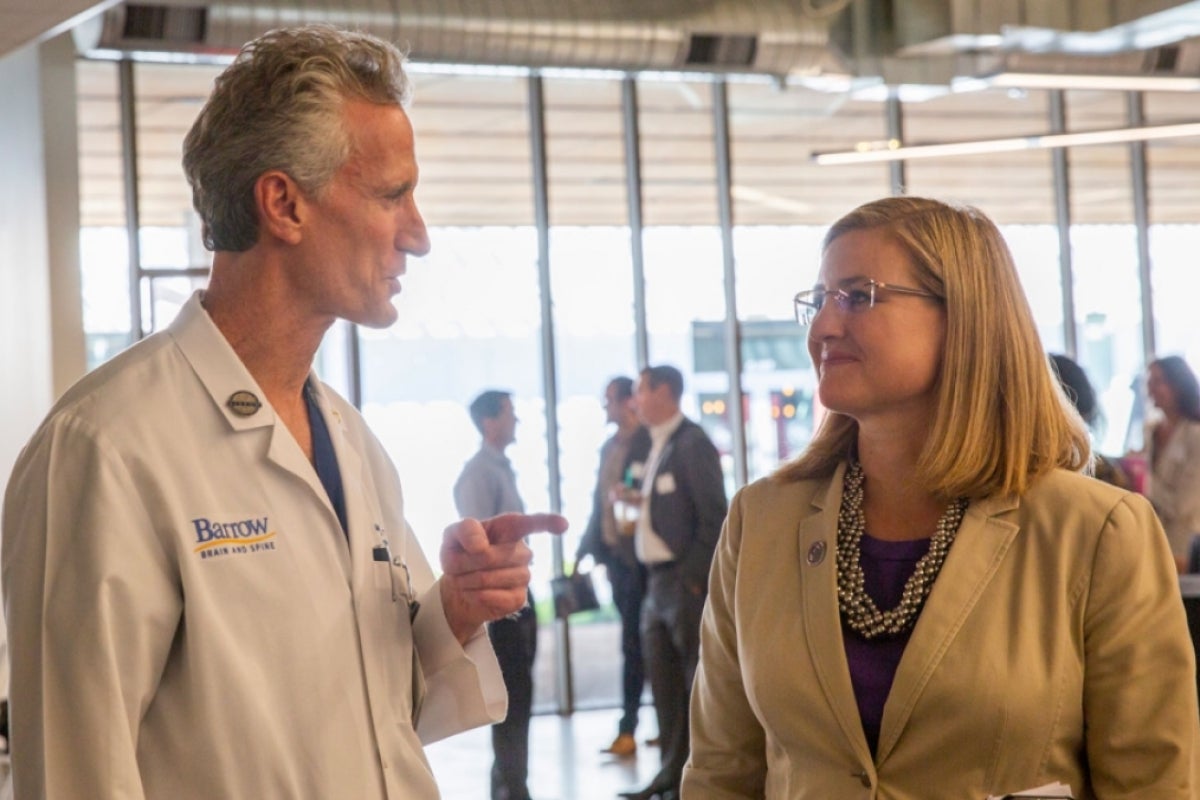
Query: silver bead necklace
x,y
858,609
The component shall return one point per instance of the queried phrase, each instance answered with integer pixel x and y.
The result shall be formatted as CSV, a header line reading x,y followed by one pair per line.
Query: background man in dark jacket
x,y
683,507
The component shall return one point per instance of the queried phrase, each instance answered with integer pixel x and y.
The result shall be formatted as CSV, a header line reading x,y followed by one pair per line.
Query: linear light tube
x,y
1093,81
895,151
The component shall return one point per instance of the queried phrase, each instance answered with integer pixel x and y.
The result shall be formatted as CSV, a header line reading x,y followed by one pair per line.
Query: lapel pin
x,y
243,403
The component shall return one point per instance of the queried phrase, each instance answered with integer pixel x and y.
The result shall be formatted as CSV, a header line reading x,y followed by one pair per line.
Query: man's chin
x,y
376,318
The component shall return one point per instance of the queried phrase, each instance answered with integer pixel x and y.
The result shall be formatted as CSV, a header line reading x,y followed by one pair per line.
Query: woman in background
x,y
930,603
1078,388
1173,444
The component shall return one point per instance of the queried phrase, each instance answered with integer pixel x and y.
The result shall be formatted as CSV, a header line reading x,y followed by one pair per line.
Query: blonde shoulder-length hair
x,y
1001,419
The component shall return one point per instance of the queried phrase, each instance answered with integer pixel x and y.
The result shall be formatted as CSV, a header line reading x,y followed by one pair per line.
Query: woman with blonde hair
x,y
930,602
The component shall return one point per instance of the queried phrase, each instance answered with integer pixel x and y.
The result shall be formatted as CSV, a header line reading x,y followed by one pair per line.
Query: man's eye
x,y
818,299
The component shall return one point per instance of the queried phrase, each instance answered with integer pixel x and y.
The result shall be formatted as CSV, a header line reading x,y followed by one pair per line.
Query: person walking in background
x,y
1173,450
929,602
682,496
210,585
610,542
1079,391
486,487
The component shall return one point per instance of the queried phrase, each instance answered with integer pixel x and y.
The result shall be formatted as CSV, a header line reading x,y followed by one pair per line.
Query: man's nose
x,y
415,237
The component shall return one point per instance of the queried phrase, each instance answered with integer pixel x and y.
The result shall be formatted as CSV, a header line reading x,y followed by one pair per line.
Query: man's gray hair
x,y
278,106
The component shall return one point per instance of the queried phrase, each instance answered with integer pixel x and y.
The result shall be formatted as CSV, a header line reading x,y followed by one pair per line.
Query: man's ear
x,y
278,198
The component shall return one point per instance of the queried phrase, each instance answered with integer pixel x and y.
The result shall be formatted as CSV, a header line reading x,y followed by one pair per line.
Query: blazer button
x,y
863,778
816,553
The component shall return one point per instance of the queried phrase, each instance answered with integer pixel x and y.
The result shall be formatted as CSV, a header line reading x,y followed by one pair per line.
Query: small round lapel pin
x,y
243,403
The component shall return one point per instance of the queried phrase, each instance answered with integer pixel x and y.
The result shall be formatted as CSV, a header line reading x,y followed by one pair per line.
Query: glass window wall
x,y
1106,291
103,242
1174,234
470,313
469,319
782,204
591,279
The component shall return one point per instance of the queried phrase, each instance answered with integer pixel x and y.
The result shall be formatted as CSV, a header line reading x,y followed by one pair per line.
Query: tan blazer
x,y
1053,647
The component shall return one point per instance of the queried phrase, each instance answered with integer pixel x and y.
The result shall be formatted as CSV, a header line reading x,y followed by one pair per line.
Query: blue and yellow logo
x,y
215,538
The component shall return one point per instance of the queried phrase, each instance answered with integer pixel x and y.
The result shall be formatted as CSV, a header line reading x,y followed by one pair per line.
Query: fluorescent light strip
x,y
894,151
1096,81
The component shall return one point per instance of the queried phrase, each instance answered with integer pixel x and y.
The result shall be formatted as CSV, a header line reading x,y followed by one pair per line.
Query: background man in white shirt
x,y
487,487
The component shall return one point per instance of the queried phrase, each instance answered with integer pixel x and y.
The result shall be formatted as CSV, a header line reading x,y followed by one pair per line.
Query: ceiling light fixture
x,y
1091,81
893,150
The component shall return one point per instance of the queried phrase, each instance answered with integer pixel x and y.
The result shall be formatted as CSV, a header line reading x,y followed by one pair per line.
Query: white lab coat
x,y
153,659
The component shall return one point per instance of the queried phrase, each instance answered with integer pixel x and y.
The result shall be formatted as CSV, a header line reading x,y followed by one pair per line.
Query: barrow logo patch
x,y
214,538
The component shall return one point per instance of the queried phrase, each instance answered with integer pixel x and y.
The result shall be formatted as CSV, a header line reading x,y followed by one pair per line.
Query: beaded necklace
x,y
858,609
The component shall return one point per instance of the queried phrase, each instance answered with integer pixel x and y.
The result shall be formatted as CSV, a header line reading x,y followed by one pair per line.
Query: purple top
x,y
886,567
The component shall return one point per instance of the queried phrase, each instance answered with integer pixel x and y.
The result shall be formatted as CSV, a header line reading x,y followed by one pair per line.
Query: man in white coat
x,y
210,586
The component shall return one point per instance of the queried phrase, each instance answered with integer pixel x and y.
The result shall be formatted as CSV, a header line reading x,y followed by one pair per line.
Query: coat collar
x,y
222,374
217,366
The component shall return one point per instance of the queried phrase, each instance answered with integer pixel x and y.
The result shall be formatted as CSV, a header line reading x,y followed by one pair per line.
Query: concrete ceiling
x,y
24,22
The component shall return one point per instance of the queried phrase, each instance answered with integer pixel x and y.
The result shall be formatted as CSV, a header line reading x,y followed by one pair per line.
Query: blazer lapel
x,y
822,620
664,459
978,549
668,449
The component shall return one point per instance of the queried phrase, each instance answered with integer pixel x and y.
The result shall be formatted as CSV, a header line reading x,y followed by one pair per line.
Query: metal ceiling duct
x,y
1082,27
935,43
776,37
894,42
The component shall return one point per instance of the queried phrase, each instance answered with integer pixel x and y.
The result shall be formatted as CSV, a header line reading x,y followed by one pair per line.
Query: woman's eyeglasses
x,y
850,299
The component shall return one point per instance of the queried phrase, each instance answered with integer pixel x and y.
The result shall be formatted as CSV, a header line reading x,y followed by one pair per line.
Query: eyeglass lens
x,y
850,299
